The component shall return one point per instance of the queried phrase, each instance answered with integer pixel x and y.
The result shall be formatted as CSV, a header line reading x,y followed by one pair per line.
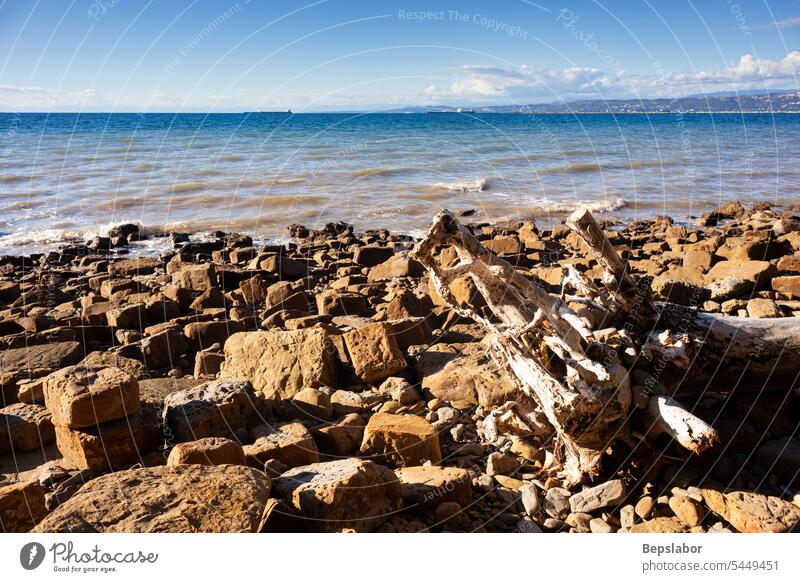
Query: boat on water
x,y
287,112
459,110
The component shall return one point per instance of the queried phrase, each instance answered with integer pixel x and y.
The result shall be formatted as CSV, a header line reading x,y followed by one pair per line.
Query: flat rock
x,y
759,272
752,512
350,493
281,363
80,396
401,440
598,497
25,427
660,525
207,451
425,487
374,352
291,444
41,356
166,499
22,506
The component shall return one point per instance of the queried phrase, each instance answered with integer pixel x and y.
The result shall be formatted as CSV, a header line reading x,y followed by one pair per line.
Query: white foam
x,y
478,185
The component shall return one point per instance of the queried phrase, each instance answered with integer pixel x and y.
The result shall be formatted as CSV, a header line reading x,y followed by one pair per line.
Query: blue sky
x,y
201,55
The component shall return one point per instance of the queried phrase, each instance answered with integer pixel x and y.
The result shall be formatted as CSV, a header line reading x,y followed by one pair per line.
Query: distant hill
x,y
746,101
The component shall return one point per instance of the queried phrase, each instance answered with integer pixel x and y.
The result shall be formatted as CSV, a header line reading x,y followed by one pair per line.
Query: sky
x,y
324,55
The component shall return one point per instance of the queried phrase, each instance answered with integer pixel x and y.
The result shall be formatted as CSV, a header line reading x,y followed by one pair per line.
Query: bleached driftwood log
x,y
665,415
542,344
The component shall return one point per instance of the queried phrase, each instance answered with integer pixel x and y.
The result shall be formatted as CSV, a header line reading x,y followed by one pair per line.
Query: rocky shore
x,y
326,385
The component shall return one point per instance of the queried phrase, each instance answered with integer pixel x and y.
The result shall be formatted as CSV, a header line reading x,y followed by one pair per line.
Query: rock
x,y
281,363
204,334
678,291
397,266
374,352
598,497
597,525
312,404
499,463
529,499
291,444
504,245
335,302
196,277
346,402
660,525
686,510
423,488
644,507
80,396
132,316
208,364
166,499
114,360
164,348
128,268
556,502
112,444
758,272
752,512
400,390
758,307
9,291
212,409
52,356
781,456
25,427
788,285
207,451
342,438
401,440
372,256
789,263
22,506
284,267
351,493
254,290
730,287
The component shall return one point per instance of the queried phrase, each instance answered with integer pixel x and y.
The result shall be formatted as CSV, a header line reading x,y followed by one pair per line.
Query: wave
x,y
478,185
12,179
189,187
380,172
579,167
563,207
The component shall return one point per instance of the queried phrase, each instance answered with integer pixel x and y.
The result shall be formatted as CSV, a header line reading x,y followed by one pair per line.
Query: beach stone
x,y
335,302
284,267
112,444
211,409
281,363
208,364
132,316
342,438
397,266
464,374
196,277
52,356
399,389
351,493
758,272
660,525
556,503
498,463
291,444
789,263
411,331
686,510
374,352
25,427
312,404
504,245
204,334
753,512
423,488
598,525
114,360
127,268
730,287
598,497
22,506
678,291
780,456
759,307
644,507
164,348
209,299
207,451
788,285
80,396
254,290
372,256
166,499
9,291
346,402
401,440
529,499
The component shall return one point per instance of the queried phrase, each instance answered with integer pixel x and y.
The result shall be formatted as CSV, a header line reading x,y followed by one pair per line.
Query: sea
x,y
66,177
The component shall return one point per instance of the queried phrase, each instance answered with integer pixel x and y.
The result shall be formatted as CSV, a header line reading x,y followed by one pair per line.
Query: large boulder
x,y
374,352
759,272
22,505
25,427
216,408
41,356
350,493
752,512
401,440
423,488
281,363
81,396
166,499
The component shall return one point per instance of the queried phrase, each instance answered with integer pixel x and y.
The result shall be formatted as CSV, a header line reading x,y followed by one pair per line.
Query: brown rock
x,y
374,352
397,266
788,285
401,440
22,506
423,488
350,493
504,245
752,512
342,438
686,510
759,307
281,363
291,444
80,396
678,291
52,356
204,334
164,348
112,444
335,302
254,290
372,256
207,451
196,277
114,360
212,409
131,267
312,404
25,427
167,499
789,263
132,316
660,525
760,272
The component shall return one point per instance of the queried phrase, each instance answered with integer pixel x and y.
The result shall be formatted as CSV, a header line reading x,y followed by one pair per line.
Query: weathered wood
x,y
666,415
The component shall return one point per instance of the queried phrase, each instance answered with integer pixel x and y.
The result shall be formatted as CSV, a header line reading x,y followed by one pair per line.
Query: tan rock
x,y
216,408
758,307
163,348
374,352
342,438
397,266
788,285
336,302
52,356
114,360
423,488
25,427
281,363
598,497
660,525
686,510
196,277
350,493
207,451
22,506
204,334
312,404
401,440
760,272
80,396
112,444
166,499
291,444
752,512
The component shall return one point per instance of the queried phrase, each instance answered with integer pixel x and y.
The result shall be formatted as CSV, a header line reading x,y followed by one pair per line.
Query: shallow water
x,y
65,175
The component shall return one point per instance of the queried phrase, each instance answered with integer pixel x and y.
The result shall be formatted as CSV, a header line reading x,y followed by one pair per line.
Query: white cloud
x,y
34,98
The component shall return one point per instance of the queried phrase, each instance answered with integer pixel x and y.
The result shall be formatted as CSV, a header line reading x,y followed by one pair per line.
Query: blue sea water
x,y
70,175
